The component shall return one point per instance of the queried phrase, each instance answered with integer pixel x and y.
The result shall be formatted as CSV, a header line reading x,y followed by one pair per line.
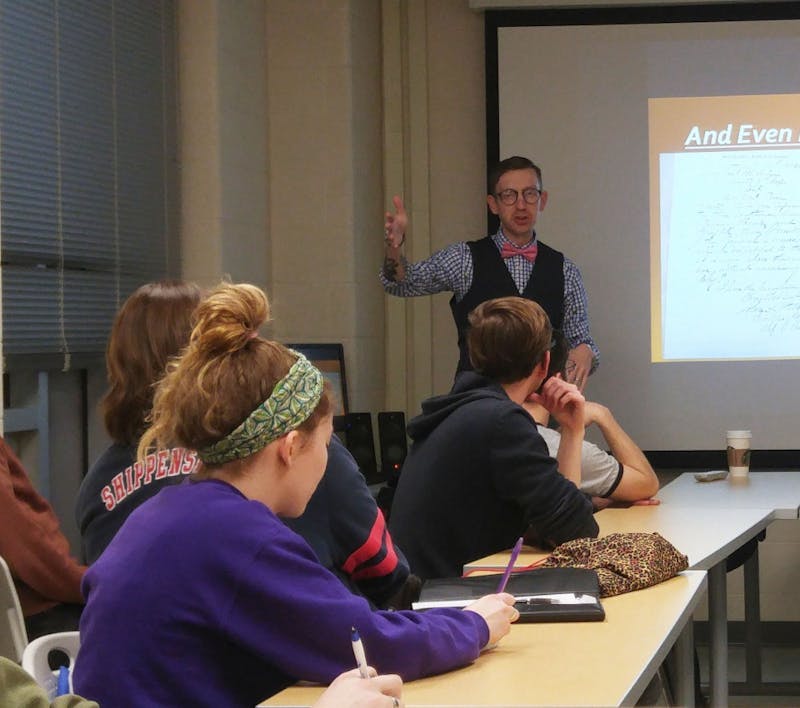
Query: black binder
x,y
543,594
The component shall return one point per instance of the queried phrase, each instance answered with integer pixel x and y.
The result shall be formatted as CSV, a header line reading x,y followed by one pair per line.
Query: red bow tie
x,y
528,252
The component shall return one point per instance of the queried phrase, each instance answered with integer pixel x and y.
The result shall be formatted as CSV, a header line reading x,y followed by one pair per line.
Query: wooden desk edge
x,y
639,679
646,675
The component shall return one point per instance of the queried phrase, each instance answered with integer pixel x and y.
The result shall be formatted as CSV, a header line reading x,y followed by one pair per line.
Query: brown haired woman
x,y
205,597
152,327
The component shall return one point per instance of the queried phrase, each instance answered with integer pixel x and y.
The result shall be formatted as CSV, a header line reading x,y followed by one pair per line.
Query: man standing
x,y
513,262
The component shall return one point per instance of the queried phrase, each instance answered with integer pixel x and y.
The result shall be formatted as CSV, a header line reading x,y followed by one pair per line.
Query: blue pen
x,y
510,566
358,652
62,686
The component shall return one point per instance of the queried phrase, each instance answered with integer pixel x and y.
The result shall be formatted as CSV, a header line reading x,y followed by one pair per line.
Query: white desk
x,y
571,663
779,491
706,538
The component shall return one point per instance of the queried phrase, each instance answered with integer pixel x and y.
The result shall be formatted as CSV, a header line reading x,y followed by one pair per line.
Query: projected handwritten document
x,y
725,227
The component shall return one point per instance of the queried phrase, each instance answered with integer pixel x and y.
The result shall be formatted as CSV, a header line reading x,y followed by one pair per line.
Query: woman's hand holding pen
x,y
349,689
498,611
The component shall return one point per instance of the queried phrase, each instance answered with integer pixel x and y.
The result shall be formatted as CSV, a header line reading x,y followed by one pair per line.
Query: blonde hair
x,y
225,373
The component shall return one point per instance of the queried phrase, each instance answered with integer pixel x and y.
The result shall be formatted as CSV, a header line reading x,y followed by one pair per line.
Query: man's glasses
x,y
509,197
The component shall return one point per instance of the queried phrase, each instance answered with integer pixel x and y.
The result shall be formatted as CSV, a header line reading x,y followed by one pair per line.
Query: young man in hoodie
x,y
479,475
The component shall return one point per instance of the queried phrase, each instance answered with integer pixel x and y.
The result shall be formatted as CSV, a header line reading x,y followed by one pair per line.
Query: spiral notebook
x,y
542,594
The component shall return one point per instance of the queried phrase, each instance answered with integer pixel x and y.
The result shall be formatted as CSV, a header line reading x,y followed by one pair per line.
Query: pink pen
x,y
510,566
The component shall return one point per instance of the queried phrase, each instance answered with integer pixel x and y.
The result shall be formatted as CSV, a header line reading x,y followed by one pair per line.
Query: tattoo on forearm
x,y
390,269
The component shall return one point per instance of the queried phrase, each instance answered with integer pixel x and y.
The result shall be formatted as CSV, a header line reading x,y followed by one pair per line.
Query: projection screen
x,y
669,141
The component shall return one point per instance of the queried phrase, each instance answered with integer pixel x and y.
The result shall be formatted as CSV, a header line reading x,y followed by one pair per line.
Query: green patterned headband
x,y
291,402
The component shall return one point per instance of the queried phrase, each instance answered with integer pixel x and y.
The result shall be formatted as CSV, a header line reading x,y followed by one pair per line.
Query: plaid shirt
x,y
451,270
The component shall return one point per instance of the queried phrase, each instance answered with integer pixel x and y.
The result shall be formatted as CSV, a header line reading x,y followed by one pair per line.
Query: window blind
x,y
87,168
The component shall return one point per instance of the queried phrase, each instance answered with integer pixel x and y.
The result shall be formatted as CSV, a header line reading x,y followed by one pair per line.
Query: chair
x,y
13,636
35,658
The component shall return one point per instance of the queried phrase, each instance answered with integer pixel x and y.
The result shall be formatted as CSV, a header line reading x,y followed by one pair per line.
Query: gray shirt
x,y
600,472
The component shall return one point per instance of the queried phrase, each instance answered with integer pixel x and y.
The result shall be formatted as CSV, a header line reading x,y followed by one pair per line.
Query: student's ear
x,y
288,445
544,364
492,202
539,373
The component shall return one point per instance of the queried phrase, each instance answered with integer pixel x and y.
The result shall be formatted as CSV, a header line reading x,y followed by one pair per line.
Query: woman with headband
x,y
205,597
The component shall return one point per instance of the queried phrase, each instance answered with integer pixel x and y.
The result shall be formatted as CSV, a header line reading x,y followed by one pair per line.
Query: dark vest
x,y
491,279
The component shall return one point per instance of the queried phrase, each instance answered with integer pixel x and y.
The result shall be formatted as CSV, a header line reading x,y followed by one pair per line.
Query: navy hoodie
x,y
347,531
477,477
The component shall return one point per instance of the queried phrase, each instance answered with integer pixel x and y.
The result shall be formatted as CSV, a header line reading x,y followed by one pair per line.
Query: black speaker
x,y
394,445
358,438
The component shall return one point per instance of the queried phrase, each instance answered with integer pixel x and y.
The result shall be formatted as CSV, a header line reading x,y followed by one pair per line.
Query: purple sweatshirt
x,y
205,598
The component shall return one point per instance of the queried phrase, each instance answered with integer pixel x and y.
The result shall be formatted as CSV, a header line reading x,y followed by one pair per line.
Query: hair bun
x,y
229,318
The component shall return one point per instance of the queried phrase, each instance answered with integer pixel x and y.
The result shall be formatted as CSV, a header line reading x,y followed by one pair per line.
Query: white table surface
x,y
776,490
707,537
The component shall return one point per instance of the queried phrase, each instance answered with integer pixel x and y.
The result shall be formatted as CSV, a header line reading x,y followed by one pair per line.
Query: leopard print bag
x,y
623,561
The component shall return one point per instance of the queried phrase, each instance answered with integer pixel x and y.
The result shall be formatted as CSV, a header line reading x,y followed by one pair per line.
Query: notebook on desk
x,y
543,594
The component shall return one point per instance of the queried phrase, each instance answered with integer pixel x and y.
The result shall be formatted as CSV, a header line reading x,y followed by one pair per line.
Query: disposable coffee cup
x,y
738,452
